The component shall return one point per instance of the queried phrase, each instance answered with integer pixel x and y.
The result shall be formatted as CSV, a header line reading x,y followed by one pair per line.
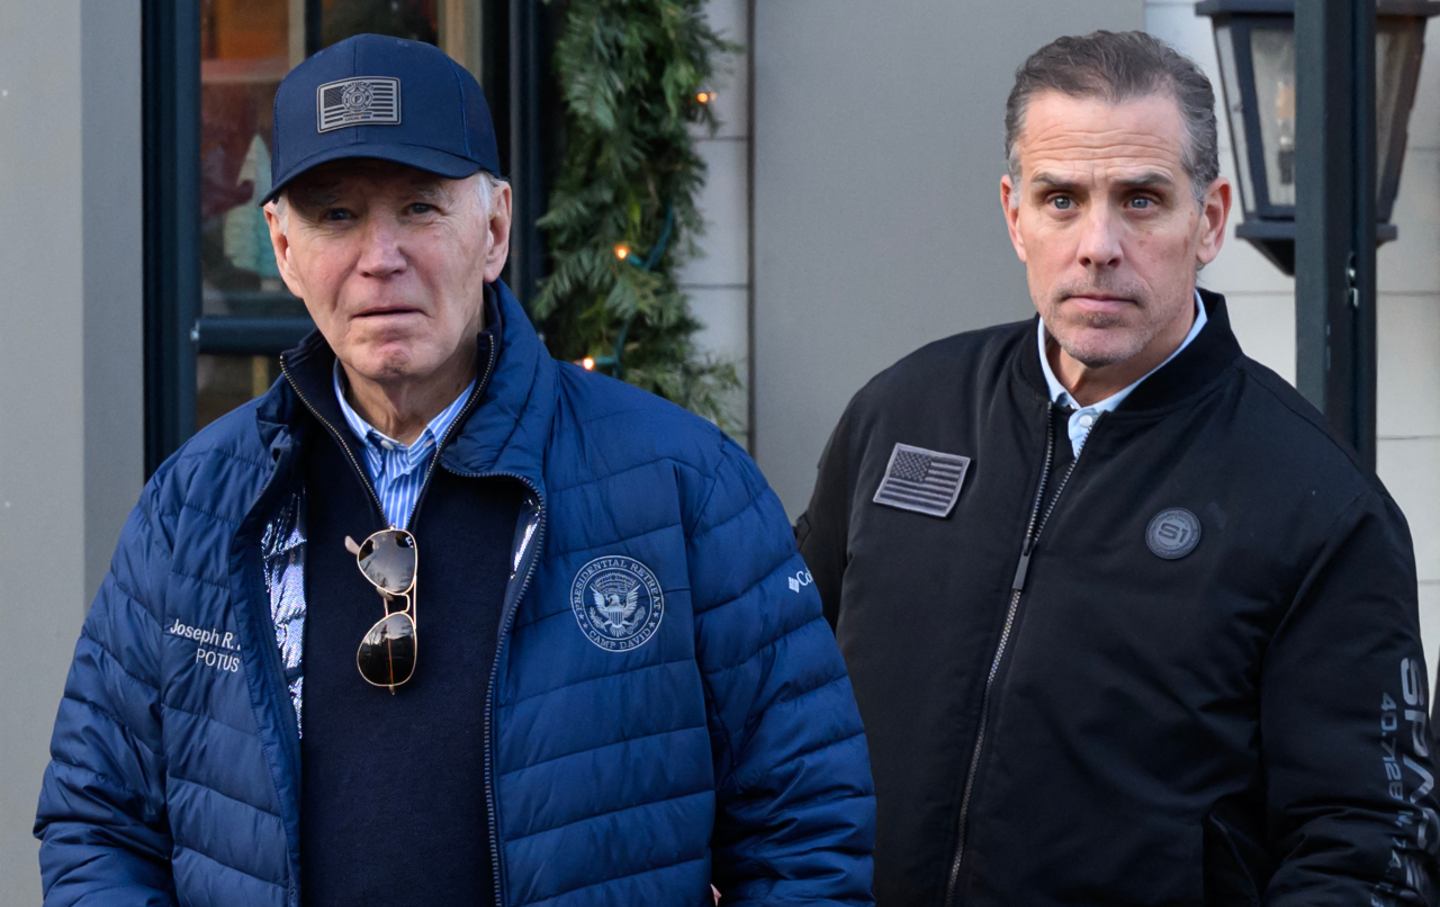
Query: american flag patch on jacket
x,y
367,101
925,481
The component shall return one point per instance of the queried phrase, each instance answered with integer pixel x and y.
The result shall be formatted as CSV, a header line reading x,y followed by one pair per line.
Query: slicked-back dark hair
x,y
1116,67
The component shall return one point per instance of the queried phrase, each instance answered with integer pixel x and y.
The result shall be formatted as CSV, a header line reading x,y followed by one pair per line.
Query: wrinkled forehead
x,y
1141,138
365,177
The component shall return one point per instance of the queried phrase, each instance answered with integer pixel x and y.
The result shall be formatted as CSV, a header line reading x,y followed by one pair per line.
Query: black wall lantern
x,y
1255,41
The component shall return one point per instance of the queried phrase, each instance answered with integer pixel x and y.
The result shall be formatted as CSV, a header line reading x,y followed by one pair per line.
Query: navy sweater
x,y
393,807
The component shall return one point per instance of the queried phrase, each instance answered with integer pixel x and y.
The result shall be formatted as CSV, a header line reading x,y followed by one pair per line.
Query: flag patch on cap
x,y
925,481
365,101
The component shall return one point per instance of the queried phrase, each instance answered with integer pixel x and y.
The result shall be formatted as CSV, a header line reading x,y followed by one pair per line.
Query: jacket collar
x,y
510,428
1213,351
506,431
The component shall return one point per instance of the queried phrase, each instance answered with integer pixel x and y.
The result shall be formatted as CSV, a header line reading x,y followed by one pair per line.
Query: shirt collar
x,y
1058,393
372,439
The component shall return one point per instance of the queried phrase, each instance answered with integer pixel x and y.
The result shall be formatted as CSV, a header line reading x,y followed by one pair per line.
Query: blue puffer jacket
x,y
726,748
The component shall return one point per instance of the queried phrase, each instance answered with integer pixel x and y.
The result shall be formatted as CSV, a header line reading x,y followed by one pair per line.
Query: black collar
x,y
1197,366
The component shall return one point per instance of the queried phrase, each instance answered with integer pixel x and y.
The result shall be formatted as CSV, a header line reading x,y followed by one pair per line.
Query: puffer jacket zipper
x,y
1039,516
525,557
339,438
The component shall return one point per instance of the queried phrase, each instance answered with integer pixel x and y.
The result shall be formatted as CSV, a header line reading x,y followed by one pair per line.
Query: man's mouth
x,y
386,311
1099,302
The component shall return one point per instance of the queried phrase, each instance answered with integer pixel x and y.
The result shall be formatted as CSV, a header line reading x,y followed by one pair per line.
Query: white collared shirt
x,y
1083,419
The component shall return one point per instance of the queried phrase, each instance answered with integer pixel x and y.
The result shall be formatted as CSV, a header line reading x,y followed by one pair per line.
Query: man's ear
x,y
498,247
280,244
1010,206
1214,213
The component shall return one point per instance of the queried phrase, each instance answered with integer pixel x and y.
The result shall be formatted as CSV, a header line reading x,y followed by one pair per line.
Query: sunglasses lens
x,y
388,560
386,656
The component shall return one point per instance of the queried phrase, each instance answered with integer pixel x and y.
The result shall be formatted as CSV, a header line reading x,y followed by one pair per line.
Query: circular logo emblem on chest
x,y
617,602
1173,533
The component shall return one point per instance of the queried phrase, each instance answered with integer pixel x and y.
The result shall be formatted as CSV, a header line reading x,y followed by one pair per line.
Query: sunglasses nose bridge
x,y
395,602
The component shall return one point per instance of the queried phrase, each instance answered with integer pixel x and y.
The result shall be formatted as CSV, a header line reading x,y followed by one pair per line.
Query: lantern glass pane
x,y
1235,112
1273,51
1399,43
1397,49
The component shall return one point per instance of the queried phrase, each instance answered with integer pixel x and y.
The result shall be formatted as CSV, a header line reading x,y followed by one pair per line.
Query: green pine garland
x,y
622,213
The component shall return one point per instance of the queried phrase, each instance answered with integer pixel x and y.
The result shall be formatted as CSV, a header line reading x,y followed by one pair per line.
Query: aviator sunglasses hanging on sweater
x,y
388,560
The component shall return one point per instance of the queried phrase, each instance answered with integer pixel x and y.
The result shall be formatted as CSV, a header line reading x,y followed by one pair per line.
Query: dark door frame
x,y
170,92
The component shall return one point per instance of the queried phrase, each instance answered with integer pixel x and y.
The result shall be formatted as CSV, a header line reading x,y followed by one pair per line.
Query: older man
x,y
619,697
1127,625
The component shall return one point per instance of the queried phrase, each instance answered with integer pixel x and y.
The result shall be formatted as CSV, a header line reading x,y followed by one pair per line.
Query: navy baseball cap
x,y
379,97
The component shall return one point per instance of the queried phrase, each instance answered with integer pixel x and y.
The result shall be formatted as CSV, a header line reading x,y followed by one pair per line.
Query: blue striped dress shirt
x,y
398,471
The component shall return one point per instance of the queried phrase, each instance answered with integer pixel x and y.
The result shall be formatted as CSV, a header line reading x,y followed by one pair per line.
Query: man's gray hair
x,y
1116,67
487,185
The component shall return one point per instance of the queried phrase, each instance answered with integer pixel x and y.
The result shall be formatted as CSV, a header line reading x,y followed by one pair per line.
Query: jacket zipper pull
x,y
1023,567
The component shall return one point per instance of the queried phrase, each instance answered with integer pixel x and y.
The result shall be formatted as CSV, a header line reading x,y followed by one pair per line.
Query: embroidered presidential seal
x,y
618,602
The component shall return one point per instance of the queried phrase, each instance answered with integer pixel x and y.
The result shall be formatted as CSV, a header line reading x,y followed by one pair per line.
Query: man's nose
x,y
380,252
1100,238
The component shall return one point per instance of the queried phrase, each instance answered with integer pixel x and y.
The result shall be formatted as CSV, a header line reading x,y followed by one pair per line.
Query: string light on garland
x,y
591,363
623,207
623,252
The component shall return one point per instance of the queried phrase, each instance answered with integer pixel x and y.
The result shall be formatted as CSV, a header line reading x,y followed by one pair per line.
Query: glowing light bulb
x,y
622,251
588,363
704,96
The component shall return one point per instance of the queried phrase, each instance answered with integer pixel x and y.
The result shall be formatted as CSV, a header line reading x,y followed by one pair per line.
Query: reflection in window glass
x,y
226,382
413,19
244,52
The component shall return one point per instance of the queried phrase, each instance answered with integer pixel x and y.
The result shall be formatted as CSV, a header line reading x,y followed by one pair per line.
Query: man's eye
x,y
1062,202
419,208
331,215
1142,202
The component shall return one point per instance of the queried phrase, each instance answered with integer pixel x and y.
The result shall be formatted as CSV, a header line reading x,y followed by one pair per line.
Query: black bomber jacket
x,y
1126,715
